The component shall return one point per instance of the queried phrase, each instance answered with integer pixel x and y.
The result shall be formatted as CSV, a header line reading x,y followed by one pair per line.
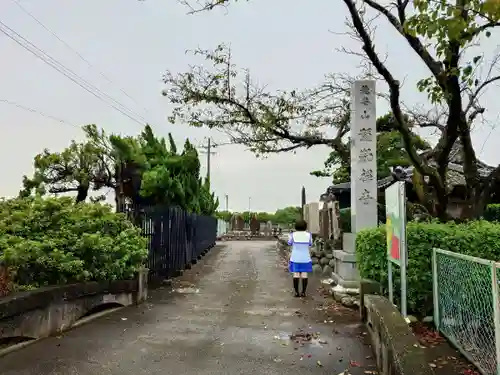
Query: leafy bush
x,y
476,238
53,241
492,212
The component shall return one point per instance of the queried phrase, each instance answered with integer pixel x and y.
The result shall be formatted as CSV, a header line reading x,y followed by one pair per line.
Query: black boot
x,y
296,286
304,287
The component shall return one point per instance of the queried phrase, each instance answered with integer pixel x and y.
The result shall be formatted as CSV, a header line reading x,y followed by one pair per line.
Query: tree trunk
x,y
82,193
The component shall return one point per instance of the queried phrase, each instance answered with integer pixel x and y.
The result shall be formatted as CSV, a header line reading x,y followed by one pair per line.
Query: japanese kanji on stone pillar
x,y
363,156
363,181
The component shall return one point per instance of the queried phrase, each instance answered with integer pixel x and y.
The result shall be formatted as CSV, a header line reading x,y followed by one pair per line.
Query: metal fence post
x,y
435,288
496,312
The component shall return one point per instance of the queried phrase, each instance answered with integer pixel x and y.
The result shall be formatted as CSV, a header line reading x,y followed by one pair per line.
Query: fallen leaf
x,y
319,364
354,363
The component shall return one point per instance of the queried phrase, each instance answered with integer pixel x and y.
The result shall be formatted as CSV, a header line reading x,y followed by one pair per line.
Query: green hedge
x,y
53,241
476,238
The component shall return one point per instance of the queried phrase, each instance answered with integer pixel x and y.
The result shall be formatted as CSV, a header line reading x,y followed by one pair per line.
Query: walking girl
x,y
300,259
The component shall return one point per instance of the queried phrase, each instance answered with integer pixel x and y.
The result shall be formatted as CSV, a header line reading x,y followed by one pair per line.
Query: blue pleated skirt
x,y
300,267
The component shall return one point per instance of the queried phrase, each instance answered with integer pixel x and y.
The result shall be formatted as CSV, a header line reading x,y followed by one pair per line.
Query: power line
x,y
36,111
49,60
45,57
75,52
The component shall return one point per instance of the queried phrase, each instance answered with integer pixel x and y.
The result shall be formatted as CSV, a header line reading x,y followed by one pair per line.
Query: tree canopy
x,y
391,152
441,34
283,216
144,169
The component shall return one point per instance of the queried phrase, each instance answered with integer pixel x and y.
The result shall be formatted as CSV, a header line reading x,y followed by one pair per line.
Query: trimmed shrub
x,y
53,241
476,238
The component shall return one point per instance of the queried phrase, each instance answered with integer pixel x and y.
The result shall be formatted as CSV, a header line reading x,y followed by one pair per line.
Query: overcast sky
x,y
285,44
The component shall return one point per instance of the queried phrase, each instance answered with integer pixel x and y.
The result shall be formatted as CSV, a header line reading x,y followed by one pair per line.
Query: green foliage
x,y
287,215
476,238
492,212
264,217
390,153
224,215
284,216
62,172
453,27
52,241
146,168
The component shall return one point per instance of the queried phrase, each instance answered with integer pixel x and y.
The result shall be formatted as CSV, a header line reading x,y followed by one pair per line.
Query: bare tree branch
x,y
394,89
226,99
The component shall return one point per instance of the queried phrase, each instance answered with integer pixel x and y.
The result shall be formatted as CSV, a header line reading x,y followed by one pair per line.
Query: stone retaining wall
x,y
396,348
47,311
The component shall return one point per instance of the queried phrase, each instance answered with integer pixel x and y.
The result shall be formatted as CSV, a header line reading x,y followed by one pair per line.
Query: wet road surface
x,y
231,314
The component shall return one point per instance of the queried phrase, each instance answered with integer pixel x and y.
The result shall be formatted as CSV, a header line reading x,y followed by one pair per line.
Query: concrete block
x,y
349,242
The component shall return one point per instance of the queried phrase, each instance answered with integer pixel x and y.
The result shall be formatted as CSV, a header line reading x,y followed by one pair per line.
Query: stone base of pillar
x,y
345,272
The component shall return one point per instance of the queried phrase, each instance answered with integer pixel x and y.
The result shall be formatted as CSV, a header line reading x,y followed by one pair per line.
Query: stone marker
x,y
363,179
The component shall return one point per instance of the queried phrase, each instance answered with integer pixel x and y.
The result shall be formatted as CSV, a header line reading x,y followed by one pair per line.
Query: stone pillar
x,y
323,222
311,216
363,179
363,156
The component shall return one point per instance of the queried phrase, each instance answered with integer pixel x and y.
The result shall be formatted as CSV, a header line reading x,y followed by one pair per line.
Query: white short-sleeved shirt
x,y
300,243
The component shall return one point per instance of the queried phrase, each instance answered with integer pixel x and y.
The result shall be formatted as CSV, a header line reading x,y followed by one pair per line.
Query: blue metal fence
x,y
176,239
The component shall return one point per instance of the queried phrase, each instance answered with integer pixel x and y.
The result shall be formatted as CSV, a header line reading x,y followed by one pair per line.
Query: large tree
x,y
143,169
439,32
70,170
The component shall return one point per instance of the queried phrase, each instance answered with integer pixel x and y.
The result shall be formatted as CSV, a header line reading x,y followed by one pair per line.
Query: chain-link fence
x,y
466,306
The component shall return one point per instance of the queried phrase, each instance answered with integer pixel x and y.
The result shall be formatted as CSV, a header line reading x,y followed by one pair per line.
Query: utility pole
x,y
209,152
227,202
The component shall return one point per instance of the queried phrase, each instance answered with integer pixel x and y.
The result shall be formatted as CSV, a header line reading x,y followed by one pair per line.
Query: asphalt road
x,y
231,314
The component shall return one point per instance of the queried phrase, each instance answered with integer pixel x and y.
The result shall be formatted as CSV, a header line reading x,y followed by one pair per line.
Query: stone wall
x,y
47,311
322,257
396,349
